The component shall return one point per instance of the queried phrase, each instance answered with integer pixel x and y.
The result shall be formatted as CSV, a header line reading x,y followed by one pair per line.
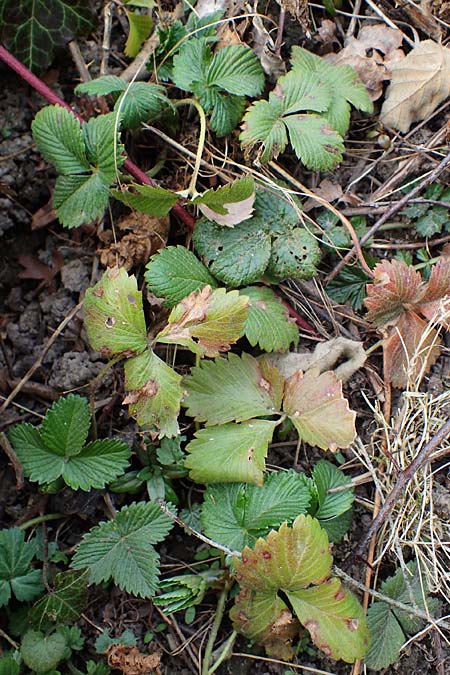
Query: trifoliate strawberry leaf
x,y
295,253
236,69
154,393
140,28
58,449
154,201
230,453
235,388
230,204
191,64
264,618
102,86
121,549
387,637
66,425
114,318
84,156
342,81
16,574
207,321
315,141
59,137
235,515
317,409
238,255
396,284
65,602
33,29
174,272
268,324
334,618
289,559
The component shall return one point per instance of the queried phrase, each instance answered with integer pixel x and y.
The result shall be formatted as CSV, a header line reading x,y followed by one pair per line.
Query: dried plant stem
x,y
45,91
395,208
402,481
106,44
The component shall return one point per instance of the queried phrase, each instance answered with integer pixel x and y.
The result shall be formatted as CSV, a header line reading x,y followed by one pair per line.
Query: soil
x,y
31,309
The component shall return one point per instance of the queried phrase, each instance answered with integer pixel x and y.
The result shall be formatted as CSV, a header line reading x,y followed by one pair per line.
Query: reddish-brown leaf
x,y
409,350
396,285
35,269
435,303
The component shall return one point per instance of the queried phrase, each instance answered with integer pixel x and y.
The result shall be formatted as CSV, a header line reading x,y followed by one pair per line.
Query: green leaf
x,y
191,63
327,477
334,619
263,124
33,29
102,86
235,515
98,135
238,255
141,102
317,409
315,141
65,603
154,201
235,388
225,109
9,666
103,641
66,425
349,286
387,637
114,317
230,204
121,549
154,393
295,254
16,574
230,453
42,653
290,559
207,321
59,137
174,272
96,464
140,28
236,69
80,199
57,451
268,324
432,222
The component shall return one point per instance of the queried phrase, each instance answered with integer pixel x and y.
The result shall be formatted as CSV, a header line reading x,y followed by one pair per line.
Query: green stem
x,y
40,519
374,347
226,650
191,191
214,630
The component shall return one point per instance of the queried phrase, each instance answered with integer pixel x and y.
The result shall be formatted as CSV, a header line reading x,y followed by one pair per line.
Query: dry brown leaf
x,y
132,662
371,54
419,84
145,235
263,46
327,190
43,216
421,16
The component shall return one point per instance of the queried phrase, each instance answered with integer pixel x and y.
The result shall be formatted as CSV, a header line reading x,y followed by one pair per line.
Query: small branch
x,y
106,44
17,466
395,208
402,480
191,191
45,91
79,61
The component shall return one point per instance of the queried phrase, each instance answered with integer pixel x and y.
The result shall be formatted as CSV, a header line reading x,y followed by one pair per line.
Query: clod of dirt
x,y
72,370
75,276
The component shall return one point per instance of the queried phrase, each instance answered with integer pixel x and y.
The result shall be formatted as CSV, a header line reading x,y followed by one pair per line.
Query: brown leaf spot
x,y
261,304
245,559
264,384
340,594
110,321
352,624
98,292
250,454
267,555
131,299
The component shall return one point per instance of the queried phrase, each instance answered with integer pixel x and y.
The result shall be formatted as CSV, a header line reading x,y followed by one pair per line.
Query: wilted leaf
x,y
65,602
114,319
207,321
230,453
395,285
228,205
154,393
235,388
334,618
419,83
319,412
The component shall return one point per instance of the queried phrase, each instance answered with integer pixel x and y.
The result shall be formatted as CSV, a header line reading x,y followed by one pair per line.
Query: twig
x,y
279,38
395,208
413,245
17,466
402,480
39,360
352,25
106,44
45,91
79,61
